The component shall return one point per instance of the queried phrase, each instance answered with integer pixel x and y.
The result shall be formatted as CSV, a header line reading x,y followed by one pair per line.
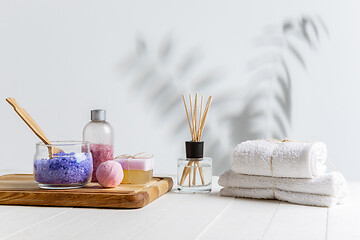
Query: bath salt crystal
x,y
100,153
63,168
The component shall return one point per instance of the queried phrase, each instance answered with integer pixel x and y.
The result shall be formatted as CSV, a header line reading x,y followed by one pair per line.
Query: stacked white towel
x,y
287,171
326,190
287,159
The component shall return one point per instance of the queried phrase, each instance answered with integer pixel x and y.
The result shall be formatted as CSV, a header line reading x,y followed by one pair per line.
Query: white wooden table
x,y
187,216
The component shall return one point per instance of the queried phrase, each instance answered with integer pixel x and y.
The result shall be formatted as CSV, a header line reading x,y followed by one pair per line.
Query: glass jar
x,y
99,133
194,174
69,168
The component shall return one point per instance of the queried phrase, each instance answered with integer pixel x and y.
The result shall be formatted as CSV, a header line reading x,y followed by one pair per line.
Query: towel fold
x,y
325,190
293,197
280,159
332,184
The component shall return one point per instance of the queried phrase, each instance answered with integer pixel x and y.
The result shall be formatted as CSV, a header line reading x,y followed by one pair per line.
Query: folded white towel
x,y
280,159
293,197
331,184
325,190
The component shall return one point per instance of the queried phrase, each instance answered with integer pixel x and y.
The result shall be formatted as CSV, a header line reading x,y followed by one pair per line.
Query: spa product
x,y
275,158
194,173
57,165
70,168
99,133
109,174
138,169
331,184
325,190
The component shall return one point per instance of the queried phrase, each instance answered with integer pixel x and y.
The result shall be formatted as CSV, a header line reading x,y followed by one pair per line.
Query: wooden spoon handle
x,y
33,126
28,120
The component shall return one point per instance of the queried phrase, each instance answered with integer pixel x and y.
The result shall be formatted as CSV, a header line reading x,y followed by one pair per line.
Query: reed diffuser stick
x,y
187,114
192,120
205,115
195,116
195,134
201,106
194,173
189,175
201,174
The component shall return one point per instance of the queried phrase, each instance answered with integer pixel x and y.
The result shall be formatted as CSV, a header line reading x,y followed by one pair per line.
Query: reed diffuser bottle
x,y
194,172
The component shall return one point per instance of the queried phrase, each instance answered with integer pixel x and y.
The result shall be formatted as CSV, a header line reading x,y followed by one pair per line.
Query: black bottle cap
x,y
194,149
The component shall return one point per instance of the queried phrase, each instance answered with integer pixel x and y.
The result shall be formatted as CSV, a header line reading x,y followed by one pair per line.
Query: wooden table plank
x,y
24,217
80,223
166,215
292,222
242,219
64,226
160,218
188,219
344,220
130,222
5,210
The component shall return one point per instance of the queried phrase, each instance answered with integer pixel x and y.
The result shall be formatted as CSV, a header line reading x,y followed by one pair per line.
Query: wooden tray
x,y
20,189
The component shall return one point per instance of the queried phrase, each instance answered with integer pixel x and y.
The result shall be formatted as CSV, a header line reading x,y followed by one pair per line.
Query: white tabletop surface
x,y
187,216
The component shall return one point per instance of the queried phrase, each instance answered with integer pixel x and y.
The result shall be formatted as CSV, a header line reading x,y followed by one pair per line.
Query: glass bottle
x,y
194,173
99,133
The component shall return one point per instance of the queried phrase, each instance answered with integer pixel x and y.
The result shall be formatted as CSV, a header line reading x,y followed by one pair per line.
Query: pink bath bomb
x,y
109,174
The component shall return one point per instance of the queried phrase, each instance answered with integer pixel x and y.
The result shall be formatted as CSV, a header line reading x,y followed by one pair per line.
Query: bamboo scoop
x,y
33,126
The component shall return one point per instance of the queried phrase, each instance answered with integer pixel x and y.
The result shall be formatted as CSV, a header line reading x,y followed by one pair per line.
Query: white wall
x,y
60,59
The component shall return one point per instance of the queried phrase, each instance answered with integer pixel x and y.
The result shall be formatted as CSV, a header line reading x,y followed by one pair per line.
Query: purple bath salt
x,y
64,168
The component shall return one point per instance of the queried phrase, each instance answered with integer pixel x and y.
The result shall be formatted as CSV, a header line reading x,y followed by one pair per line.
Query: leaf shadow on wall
x,y
161,74
268,104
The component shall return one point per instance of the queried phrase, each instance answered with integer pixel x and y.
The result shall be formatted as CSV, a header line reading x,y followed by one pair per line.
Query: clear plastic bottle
x,y
99,133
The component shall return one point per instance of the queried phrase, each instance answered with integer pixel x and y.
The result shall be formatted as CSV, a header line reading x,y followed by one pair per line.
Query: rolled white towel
x,y
331,184
280,159
293,197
